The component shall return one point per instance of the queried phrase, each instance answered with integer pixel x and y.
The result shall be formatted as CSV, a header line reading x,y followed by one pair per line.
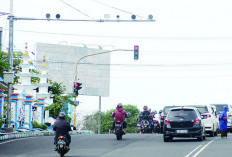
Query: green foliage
x,y
34,79
3,62
68,119
57,88
107,121
91,121
1,122
132,120
37,125
59,100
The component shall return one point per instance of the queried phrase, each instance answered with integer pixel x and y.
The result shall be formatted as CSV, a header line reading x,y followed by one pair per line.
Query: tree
x,y
4,66
91,121
3,62
59,100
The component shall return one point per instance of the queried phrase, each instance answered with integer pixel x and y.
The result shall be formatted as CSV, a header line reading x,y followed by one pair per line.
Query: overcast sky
x,y
185,55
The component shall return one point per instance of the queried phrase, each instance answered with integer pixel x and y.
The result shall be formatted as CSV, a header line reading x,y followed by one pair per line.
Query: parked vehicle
x,y
62,147
184,122
164,115
219,108
119,130
209,116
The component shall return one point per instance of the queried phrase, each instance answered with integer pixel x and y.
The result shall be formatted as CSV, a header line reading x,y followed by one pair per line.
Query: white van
x,y
219,108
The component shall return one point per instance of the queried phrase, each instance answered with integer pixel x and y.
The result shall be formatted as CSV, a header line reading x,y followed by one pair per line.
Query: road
x,y
132,145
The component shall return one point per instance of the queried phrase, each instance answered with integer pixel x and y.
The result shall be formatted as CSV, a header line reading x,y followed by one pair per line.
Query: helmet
x,y
119,105
154,112
145,107
62,115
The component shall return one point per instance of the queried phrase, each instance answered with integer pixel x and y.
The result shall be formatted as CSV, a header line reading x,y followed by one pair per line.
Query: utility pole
x,y
99,116
0,38
10,62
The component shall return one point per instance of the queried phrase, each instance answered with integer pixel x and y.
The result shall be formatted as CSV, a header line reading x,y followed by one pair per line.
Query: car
x,y
184,122
164,114
219,108
209,116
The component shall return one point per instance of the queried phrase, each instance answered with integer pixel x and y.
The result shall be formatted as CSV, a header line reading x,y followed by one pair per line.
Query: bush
x,y
1,122
37,125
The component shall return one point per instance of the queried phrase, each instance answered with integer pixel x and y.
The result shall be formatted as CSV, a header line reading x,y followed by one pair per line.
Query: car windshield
x,y
202,109
185,114
167,108
220,107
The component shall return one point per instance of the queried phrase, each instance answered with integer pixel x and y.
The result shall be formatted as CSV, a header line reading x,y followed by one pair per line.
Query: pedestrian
x,y
223,122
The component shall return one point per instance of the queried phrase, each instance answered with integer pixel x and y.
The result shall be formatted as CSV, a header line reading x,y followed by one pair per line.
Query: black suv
x,y
164,115
183,122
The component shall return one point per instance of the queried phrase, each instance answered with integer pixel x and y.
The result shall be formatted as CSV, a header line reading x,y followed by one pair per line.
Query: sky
x,y
185,56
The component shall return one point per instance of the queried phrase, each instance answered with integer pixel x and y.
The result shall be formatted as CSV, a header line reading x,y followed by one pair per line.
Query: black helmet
x,y
62,115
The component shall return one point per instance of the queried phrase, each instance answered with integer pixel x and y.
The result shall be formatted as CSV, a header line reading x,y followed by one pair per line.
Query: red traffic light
x,y
75,84
136,47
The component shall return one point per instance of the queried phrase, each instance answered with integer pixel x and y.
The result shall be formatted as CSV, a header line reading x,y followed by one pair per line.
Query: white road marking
x,y
203,148
14,140
193,151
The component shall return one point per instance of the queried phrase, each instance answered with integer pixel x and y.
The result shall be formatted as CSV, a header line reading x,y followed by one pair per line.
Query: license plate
x,y
155,124
182,131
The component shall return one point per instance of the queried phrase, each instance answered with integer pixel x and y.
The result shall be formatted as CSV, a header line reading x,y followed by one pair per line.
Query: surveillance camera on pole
x,y
57,16
48,16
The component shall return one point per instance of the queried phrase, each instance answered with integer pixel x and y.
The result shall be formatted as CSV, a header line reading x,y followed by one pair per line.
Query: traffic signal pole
x,y
10,63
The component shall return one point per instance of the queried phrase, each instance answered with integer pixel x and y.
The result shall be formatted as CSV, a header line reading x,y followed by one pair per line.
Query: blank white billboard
x,y
93,71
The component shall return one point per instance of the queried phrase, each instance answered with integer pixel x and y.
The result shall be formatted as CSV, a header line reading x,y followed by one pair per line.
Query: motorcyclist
x,y
119,115
62,127
146,115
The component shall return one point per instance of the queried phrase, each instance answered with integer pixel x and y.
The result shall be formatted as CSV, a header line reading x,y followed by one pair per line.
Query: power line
x,y
131,37
142,65
115,8
76,9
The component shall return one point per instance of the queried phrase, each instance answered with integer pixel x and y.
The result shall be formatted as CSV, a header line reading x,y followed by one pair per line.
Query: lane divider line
x,y
204,147
15,140
193,151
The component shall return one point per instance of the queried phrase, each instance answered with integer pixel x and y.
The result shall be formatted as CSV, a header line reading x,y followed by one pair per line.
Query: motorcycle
x,y
62,147
118,130
139,127
157,126
145,126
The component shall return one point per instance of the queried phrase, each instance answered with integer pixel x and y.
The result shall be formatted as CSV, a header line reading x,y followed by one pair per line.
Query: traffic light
x,y
76,88
136,52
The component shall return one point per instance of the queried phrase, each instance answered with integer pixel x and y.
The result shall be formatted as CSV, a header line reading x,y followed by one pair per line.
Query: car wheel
x,y
212,132
204,137
230,130
201,137
166,138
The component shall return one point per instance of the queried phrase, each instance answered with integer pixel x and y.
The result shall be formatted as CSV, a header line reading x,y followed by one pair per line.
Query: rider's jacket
x,y
62,127
119,114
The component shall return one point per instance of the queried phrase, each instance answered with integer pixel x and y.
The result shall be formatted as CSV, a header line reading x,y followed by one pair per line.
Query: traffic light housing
x,y
76,88
136,52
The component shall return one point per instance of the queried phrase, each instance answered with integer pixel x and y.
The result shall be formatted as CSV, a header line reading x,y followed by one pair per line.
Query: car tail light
x,y
197,121
155,121
166,122
229,115
162,117
206,115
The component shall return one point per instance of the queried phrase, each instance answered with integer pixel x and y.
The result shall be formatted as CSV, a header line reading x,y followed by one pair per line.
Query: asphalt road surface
x,y
132,145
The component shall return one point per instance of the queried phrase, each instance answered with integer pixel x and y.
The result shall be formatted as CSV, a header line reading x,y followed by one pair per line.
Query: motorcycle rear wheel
x,y
119,137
